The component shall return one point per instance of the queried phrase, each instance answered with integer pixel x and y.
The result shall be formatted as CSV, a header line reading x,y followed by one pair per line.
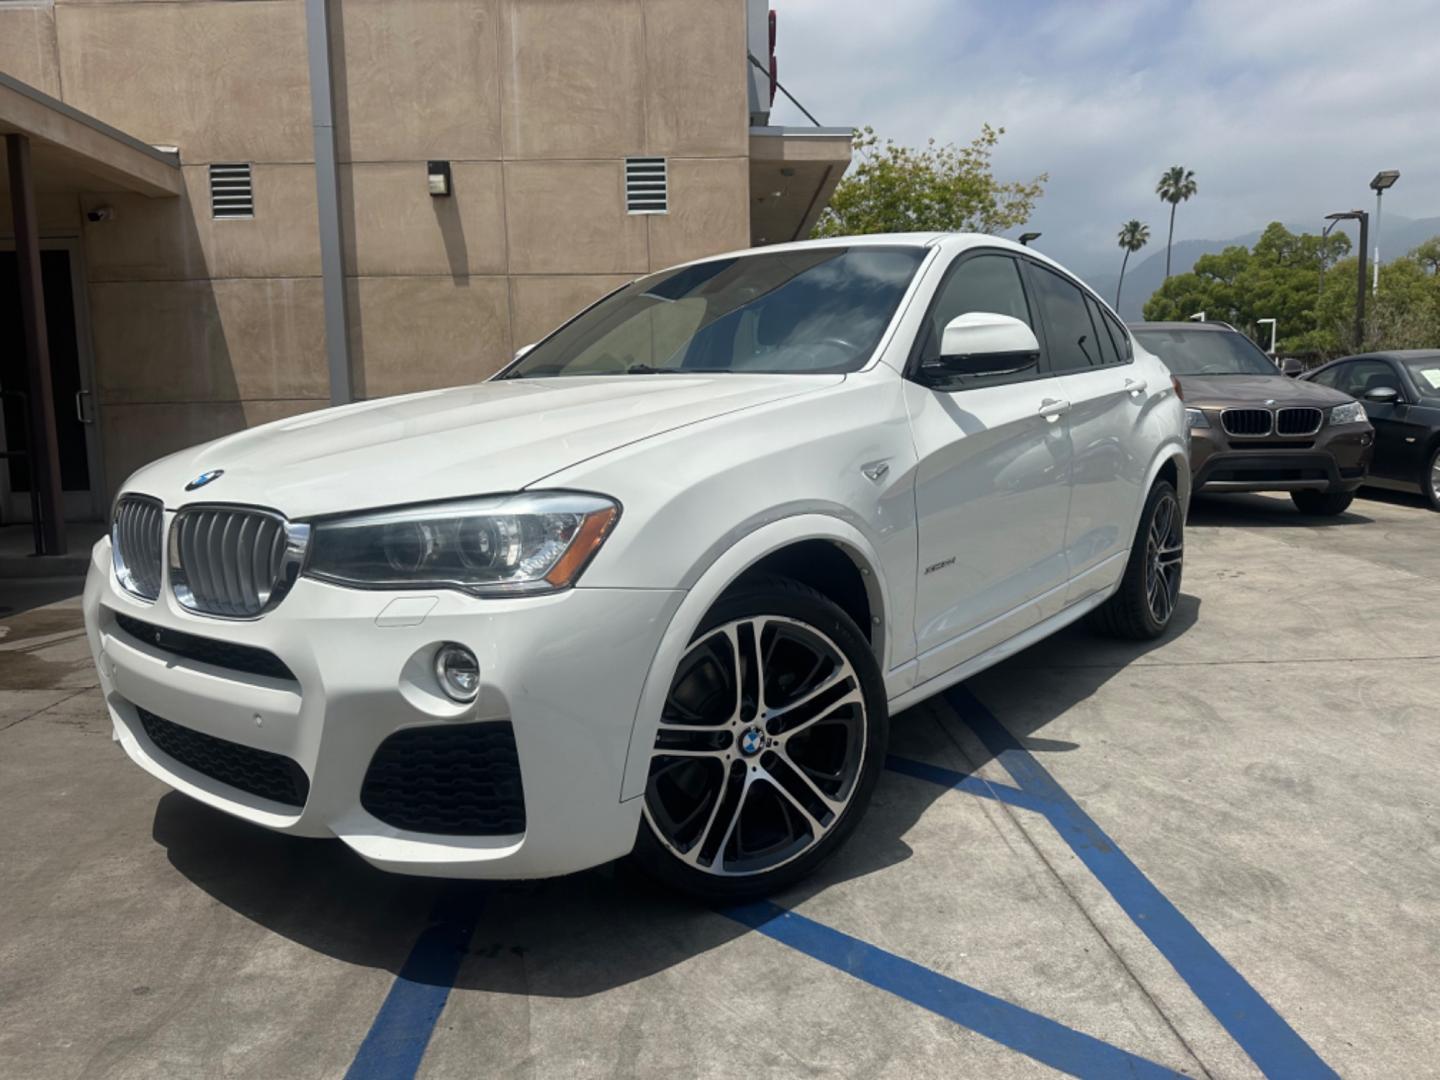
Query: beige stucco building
x,y
187,312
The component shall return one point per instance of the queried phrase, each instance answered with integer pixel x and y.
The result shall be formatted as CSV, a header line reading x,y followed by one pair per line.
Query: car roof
x,y
1392,354
1201,327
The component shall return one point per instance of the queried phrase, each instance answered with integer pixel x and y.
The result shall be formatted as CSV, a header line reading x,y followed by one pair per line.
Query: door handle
x,y
80,396
1053,408
1136,386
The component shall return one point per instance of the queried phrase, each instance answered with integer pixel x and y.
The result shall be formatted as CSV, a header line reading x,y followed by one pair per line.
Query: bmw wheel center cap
x,y
752,741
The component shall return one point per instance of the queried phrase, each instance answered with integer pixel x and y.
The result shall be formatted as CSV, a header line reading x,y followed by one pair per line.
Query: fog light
x,y
458,671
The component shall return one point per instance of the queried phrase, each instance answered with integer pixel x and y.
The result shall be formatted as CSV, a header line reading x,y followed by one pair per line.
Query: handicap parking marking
x,y
1259,1030
395,1045
1016,1028
400,1033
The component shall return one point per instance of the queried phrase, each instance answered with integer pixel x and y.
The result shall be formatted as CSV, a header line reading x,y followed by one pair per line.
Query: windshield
x,y
1206,352
1425,373
812,310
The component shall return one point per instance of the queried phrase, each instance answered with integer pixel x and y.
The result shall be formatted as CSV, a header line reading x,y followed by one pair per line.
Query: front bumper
x,y
565,670
1335,459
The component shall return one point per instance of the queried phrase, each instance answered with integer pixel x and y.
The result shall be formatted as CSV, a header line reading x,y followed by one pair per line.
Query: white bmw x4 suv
x,y
658,585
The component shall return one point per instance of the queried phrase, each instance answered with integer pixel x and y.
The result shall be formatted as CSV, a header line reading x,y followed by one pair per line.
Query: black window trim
x,y
1031,266
1041,369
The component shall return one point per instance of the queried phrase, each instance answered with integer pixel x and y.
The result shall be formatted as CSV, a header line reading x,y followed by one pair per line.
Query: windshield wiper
x,y
648,369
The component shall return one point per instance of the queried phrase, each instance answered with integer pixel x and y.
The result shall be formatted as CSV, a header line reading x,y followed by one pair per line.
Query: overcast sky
x,y
1285,110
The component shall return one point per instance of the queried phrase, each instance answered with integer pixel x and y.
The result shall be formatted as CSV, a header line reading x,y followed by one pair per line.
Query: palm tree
x,y
1134,235
1176,185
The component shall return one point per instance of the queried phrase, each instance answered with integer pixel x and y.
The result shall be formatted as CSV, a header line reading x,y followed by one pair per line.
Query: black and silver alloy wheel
x,y
1430,480
766,750
1164,558
1144,604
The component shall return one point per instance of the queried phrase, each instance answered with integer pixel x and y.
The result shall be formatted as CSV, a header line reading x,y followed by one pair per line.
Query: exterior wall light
x,y
438,177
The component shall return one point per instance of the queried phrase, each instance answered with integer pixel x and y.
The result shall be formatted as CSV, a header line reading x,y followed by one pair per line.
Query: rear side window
x,y
980,283
1109,353
1072,340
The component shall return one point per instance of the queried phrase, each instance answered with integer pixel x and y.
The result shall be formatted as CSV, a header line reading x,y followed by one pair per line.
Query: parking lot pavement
x,y
1213,856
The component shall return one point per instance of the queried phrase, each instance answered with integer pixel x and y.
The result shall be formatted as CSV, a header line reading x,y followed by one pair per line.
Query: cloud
x,y
1284,110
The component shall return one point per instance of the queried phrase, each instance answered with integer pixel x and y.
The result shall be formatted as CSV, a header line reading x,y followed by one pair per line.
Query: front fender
x,y
710,584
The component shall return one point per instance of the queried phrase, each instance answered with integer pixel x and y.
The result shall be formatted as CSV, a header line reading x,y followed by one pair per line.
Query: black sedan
x,y
1401,394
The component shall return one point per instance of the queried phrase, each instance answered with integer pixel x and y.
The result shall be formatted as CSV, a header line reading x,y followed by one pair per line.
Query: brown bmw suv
x,y
1254,429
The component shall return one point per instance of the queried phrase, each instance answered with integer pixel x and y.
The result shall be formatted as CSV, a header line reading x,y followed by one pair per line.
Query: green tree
x,y
1176,185
1133,236
936,188
1278,279
1428,255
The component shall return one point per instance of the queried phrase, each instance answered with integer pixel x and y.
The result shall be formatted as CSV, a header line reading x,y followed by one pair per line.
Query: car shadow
x,y
1263,511
588,932
1394,497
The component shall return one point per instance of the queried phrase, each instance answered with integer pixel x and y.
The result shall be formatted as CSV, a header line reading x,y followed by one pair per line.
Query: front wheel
x,y
1430,479
1322,503
771,741
1143,606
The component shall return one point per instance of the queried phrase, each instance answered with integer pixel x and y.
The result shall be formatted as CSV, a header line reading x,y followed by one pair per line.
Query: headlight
x,y
495,546
1352,412
1195,418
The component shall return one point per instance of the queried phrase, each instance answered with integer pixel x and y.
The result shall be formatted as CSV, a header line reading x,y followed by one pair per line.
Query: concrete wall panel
x,y
27,46
165,239
695,92
393,225
421,333
417,79
179,341
572,74
568,217
709,211
223,81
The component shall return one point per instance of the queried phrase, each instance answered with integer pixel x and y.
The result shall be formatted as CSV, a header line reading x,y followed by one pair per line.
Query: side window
x,y
1331,376
1122,339
979,283
1109,354
1358,376
1071,336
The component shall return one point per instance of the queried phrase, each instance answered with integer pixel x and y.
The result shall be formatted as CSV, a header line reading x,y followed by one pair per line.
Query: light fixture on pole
x,y
1364,219
1384,180
1199,316
1026,237
1262,322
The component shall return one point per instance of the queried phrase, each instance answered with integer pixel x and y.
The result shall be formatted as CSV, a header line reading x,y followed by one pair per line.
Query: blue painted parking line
x,y
1261,1032
401,1031
971,785
1019,1029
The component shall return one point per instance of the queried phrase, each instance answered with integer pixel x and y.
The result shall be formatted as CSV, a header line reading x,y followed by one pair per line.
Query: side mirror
x,y
981,343
1292,367
523,349
1383,395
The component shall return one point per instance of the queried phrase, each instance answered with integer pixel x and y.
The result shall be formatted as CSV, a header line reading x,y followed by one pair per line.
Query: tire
x,y
1322,503
733,819
1143,606
1430,478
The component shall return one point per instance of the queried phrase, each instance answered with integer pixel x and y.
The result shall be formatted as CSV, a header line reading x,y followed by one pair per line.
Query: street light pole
x,y
1384,180
1262,322
1364,219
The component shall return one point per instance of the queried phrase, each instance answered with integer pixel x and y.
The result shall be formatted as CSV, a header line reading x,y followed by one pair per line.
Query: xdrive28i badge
x,y
204,478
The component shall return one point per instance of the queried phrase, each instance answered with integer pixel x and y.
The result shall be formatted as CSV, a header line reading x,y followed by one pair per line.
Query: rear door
x,y
1092,354
992,481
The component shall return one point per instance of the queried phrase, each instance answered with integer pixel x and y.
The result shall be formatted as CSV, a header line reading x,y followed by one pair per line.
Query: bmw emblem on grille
x,y
204,478
752,741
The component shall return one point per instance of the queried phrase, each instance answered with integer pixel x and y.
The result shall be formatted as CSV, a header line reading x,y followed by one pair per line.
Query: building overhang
x,y
793,173
73,152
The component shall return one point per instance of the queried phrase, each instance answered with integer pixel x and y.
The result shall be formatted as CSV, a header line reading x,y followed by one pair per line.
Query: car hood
x,y
471,440
1241,390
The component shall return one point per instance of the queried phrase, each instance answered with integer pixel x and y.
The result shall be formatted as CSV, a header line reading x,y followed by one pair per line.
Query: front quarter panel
x,y
704,504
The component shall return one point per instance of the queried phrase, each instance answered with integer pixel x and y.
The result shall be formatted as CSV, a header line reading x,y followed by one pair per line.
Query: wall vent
x,y
232,195
646,185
